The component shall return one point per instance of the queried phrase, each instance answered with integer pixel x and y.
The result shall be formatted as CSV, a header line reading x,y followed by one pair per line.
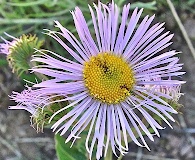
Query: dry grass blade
x,y
186,37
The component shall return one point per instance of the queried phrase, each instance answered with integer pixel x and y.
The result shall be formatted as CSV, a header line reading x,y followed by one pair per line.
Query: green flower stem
x,y
109,154
30,20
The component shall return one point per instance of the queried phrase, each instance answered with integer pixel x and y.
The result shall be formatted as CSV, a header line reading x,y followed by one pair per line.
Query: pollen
x,y
108,78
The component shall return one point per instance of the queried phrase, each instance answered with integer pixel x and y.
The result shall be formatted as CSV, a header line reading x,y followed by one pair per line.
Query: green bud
x,y
42,116
20,52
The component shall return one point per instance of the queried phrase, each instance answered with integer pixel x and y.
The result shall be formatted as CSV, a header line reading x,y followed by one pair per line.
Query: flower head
x,y
34,101
19,51
112,83
27,100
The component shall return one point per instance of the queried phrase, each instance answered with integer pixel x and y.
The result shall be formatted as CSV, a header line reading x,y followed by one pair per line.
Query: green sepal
x,y
41,119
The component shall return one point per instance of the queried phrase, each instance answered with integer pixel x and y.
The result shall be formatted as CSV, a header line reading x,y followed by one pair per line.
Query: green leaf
x,y
26,4
64,152
148,5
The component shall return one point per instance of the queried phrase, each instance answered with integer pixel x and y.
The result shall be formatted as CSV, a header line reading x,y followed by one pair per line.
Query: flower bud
x,y
19,51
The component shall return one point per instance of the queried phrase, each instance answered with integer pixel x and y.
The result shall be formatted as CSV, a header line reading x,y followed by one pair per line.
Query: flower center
x,y
108,78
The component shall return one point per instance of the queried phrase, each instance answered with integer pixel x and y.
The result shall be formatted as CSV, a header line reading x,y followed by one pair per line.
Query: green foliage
x,y
21,17
191,2
32,16
147,5
64,152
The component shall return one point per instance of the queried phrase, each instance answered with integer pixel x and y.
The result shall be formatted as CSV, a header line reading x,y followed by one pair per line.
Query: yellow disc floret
x,y
108,78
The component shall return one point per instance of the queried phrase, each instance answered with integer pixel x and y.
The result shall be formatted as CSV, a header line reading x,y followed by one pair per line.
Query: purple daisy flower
x,y
114,82
34,102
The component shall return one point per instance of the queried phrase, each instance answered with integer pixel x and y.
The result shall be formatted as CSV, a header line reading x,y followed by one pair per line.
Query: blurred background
x,y
19,141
